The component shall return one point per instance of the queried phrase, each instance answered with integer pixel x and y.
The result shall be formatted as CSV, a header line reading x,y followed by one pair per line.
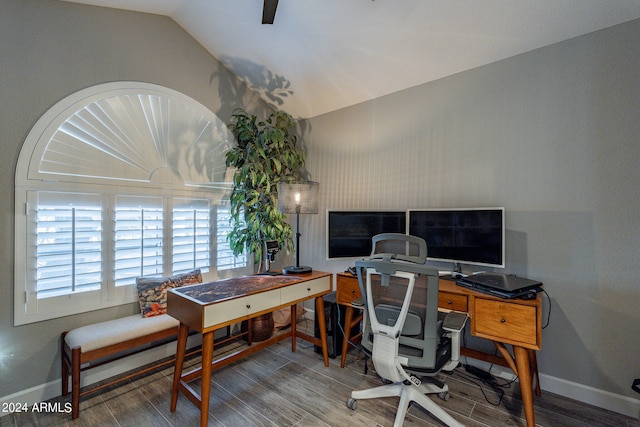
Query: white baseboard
x,y
309,314
43,392
30,396
602,399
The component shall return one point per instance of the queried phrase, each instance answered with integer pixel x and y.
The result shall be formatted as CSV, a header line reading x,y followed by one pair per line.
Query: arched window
x,y
114,182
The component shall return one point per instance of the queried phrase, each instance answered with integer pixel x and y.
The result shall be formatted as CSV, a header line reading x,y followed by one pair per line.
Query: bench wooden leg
x,y
75,382
65,367
65,378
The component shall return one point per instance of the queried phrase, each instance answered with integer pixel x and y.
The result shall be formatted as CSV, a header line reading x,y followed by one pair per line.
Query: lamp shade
x,y
298,197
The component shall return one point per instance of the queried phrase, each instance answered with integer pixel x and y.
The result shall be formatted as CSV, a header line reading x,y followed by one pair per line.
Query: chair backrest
x,y
400,247
401,296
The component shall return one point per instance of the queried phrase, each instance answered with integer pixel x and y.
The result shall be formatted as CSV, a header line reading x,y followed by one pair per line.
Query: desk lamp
x,y
298,198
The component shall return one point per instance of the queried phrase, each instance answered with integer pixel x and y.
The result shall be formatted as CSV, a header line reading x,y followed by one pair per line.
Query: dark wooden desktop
x,y
515,322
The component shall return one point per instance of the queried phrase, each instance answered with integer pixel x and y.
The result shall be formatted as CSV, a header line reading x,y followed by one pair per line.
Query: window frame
x,y
33,179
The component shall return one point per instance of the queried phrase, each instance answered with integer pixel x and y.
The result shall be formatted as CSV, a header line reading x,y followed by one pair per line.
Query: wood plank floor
x,y
276,387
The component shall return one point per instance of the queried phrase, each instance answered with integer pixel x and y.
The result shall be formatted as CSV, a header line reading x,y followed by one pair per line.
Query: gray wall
x,y
49,50
551,135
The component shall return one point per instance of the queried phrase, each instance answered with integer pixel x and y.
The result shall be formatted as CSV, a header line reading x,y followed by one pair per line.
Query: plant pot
x,y
262,327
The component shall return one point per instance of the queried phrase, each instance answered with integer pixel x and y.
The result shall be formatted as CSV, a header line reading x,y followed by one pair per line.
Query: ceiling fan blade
x,y
269,11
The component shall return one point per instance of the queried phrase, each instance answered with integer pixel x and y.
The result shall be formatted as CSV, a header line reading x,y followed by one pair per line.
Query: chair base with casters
x,y
405,336
411,389
408,393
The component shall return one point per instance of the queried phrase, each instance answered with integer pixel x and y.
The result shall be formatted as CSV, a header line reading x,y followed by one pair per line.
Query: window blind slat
x,y
190,227
68,246
224,255
138,238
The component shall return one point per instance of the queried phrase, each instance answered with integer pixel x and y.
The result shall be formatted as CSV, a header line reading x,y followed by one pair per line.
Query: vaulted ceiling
x,y
322,55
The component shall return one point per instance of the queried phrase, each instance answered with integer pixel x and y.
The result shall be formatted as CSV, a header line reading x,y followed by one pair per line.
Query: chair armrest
x,y
454,321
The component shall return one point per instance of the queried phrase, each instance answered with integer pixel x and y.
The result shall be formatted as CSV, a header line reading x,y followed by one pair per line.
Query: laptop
x,y
502,285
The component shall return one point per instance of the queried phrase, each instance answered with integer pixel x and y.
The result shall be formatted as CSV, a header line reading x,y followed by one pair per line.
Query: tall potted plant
x,y
267,152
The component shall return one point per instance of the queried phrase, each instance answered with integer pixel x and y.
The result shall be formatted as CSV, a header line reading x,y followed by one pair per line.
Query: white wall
x,y
551,135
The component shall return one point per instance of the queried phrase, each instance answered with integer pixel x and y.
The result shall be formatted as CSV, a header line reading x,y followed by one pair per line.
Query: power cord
x,y
483,379
342,329
486,378
549,311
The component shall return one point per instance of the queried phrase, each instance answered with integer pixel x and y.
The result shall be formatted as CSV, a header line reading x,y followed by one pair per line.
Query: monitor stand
x,y
455,273
457,267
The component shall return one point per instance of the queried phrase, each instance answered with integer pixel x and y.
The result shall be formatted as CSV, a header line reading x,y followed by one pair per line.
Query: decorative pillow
x,y
152,291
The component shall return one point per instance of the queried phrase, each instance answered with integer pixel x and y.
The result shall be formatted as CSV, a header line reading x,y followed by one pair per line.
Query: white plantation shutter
x,y
68,244
139,234
225,258
191,245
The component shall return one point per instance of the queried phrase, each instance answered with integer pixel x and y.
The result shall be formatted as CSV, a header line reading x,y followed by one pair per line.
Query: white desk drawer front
x,y
305,289
236,308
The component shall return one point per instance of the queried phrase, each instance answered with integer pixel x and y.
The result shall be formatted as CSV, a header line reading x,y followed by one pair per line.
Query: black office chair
x,y
406,338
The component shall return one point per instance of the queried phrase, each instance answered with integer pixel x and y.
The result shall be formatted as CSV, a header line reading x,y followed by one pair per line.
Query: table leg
x,y
524,376
294,318
183,334
205,392
533,363
323,329
348,318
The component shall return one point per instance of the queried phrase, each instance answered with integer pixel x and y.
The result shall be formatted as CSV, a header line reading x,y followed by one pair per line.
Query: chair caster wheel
x,y
352,403
444,395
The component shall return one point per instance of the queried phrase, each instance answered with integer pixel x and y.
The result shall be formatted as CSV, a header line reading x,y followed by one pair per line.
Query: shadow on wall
x,y
269,87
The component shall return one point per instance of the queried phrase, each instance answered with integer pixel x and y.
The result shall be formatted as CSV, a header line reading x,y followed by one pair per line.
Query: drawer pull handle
x,y
502,321
248,305
353,291
308,289
449,302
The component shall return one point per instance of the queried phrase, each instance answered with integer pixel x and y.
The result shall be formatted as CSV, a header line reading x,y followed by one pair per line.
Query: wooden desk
x,y
504,321
210,306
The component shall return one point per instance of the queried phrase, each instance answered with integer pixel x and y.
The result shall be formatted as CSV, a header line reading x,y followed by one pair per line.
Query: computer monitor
x,y
474,236
349,232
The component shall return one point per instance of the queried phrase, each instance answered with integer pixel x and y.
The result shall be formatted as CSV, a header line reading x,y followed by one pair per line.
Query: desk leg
x,y
523,369
294,318
348,318
524,376
205,392
323,329
183,334
533,363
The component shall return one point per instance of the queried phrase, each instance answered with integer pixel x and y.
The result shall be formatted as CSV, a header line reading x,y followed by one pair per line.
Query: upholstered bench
x,y
94,345
106,342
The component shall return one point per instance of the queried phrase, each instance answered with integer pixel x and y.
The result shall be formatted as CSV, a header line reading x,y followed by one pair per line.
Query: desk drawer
x,y
505,321
347,290
451,301
304,290
226,311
